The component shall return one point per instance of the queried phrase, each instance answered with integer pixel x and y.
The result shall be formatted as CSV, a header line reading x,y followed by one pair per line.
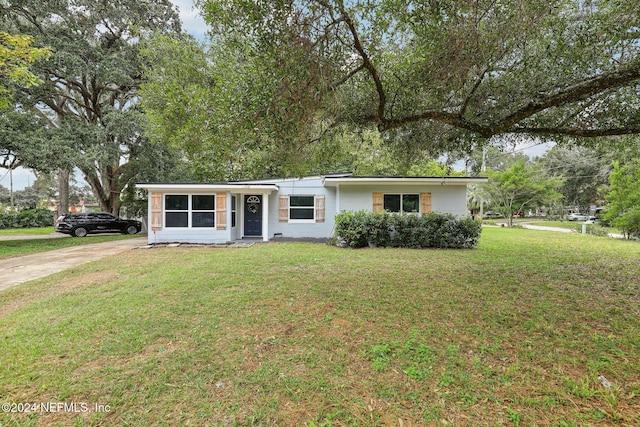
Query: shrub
x,y
350,228
376,228
433,230
593,229
629,223
9,219
28,218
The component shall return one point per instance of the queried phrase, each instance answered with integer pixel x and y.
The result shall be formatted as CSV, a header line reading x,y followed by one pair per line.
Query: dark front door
x,y
252,215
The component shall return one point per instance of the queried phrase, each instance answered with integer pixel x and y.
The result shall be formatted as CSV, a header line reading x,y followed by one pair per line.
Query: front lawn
x,y
515,332
26,231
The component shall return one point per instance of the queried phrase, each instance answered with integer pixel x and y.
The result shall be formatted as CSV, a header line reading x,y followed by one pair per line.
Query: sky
x,y
191,20
191,23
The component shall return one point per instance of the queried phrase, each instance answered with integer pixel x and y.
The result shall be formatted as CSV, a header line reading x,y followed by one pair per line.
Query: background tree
x,y
584,172
16,56
623,209
496,157
25,140
89,93
458,72
196,105
5,196
519,187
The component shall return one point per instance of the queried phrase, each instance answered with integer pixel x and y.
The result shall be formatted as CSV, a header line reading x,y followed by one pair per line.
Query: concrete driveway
x,y
14,271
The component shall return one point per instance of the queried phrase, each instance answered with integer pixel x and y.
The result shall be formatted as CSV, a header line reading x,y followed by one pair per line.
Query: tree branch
x,y
366,62
475,87
587,133
576,92
453,119
346,78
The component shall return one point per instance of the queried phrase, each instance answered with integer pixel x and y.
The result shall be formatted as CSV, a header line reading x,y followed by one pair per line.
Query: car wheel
x,y
80,232
132,229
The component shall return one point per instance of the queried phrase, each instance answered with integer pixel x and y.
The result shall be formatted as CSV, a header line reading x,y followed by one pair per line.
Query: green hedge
x,y
28,218
433,230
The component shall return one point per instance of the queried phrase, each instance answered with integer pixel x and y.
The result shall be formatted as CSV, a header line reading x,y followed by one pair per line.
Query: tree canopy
x,y
519,187
435,73
16,56
623,210
89,95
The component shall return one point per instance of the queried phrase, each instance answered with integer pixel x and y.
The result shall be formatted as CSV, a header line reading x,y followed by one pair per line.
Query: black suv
x,y
81,224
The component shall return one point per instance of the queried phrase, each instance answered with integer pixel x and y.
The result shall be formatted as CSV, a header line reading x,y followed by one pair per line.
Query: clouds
x,y
192,22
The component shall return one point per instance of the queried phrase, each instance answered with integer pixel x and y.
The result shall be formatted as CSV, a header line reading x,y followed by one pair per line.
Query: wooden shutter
x,y
378,202
319,202
156,211
425,203
283,208
221,211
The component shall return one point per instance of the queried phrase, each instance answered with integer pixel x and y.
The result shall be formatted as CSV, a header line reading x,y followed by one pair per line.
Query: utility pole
x,y
11,184
483,168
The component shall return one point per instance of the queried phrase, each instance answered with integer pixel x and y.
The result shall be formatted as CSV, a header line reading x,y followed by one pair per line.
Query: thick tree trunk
x,y
106,190
63,191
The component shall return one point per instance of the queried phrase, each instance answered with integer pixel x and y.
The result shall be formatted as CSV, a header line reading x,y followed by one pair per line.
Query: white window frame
x,y
189,211
312,207
234,212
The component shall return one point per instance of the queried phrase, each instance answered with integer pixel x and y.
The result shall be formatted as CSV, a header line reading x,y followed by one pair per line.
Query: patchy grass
x,y
11,248
26,231
516,332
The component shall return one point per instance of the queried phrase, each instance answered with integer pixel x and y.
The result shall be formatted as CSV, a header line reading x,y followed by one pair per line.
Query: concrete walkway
x,y
545,228
14,271
559,229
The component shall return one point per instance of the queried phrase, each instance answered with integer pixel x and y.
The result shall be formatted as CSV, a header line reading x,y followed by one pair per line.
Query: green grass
x,y
26,231
513,333
12,248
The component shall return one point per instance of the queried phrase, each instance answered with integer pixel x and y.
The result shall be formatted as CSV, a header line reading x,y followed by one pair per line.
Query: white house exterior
x,y
290,208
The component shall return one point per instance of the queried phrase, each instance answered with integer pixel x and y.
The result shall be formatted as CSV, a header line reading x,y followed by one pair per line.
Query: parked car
x,y
492,214
581,217
81,224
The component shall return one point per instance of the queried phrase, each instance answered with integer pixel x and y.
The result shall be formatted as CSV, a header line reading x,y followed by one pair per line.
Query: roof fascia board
x,y
331,182
238,188
304,178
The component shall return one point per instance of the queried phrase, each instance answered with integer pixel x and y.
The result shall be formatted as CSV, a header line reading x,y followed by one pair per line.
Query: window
x,y
233,211
106,216
203,210
176,210
182,210
302,208
409,203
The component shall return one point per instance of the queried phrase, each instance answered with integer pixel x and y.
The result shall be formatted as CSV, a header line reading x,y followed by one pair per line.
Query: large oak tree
x,y
89,94
435,73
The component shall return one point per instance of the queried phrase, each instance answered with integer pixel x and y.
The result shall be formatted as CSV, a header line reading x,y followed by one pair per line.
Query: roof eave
x,y
232,187
448,180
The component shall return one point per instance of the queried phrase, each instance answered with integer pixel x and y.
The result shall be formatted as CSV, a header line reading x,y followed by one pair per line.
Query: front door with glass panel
x,y
252,215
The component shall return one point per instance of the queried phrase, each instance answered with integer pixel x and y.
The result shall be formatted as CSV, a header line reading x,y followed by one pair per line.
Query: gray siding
x,y
302,187
189,235
444,198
